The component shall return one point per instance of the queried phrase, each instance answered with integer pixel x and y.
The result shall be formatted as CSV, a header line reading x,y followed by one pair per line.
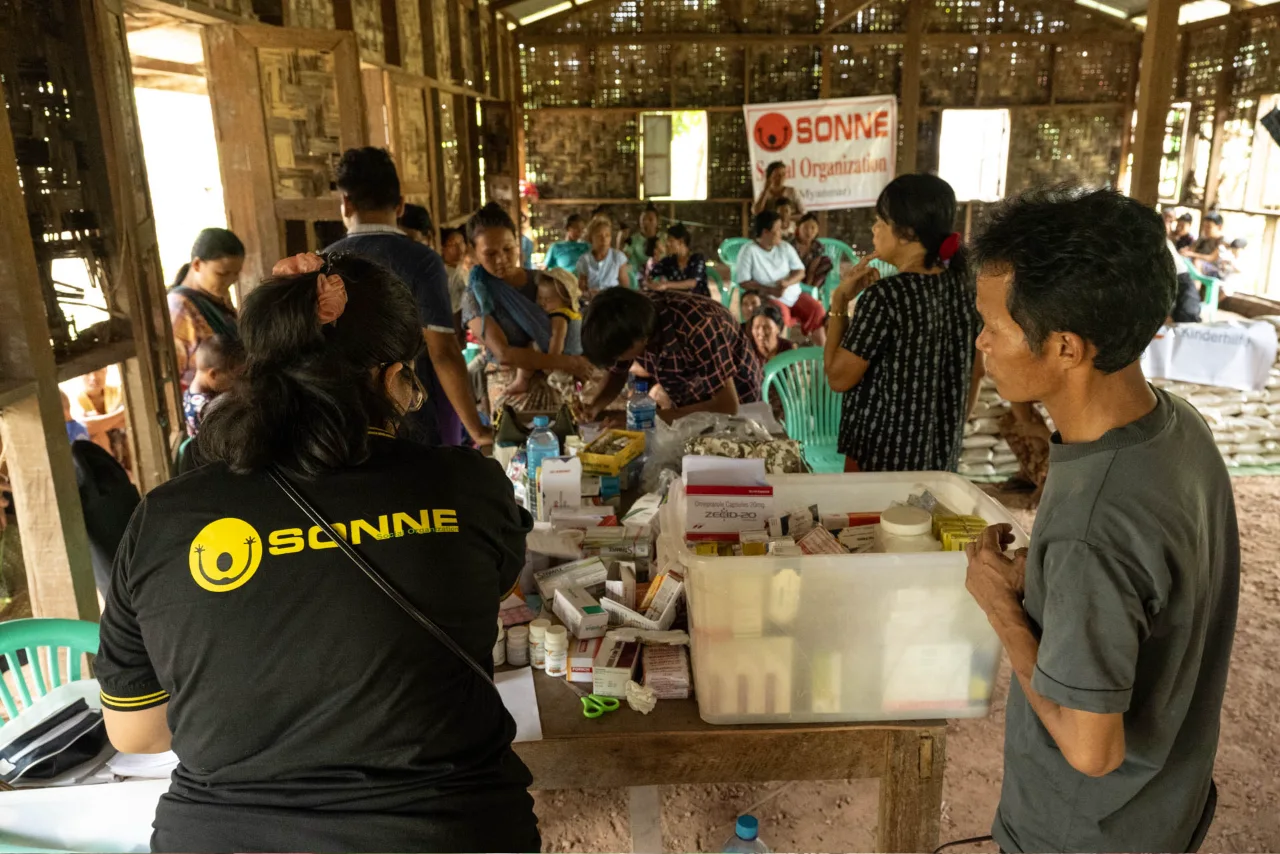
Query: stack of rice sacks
x,y
986,456
1245,424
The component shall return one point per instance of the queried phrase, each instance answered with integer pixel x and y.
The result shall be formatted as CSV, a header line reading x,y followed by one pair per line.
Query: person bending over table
x,y
370,191
502,291
905,363
307,710
688,344
1119,620
770,266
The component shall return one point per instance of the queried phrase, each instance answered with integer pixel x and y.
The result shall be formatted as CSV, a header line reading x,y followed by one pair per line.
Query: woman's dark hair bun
x,y
310,393
922,207
491,216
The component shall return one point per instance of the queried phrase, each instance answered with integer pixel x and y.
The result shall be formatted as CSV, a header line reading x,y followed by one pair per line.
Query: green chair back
x,y
729,251
838,251
43,641
810,409
1212,286
726,291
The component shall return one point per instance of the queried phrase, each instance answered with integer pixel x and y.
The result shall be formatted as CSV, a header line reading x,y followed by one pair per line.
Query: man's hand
x,y
994,579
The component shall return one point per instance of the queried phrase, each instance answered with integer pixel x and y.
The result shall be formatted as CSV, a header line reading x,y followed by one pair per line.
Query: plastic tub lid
x,y
538,627
748,827
906,521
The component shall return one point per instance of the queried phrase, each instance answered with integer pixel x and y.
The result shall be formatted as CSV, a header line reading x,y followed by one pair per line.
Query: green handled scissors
x,y
593,705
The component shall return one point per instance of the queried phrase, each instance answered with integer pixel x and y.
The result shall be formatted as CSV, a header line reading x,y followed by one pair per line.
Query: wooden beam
x,y
12,391
96,359
1222,110
909,103
855,39
194,11
499,5
1159,60
164,66
1251,13
55,544
848,16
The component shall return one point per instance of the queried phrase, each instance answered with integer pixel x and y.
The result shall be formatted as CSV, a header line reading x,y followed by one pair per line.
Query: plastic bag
x,y
666,443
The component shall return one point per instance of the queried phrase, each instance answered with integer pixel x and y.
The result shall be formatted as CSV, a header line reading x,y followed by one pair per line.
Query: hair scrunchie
x,y
331,290
950,246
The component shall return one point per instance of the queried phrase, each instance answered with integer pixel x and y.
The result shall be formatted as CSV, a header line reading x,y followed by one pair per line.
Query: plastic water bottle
x,y
542,443
642,410
746,838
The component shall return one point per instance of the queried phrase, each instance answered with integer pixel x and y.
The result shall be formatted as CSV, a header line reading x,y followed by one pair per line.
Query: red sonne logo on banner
x,y
772,132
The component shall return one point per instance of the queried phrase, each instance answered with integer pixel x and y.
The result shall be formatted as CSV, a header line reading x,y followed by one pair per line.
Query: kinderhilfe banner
x,y
839,152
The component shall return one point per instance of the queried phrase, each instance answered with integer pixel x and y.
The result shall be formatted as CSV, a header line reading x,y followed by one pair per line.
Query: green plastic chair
x,y
31,636
1212,286
810,409
729,251
837,251
726,291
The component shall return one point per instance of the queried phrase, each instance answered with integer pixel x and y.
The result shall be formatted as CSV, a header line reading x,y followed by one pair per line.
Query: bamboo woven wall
x,y
300,102
574,60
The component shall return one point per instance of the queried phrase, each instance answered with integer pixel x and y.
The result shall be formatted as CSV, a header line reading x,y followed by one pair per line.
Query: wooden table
x,y
625,749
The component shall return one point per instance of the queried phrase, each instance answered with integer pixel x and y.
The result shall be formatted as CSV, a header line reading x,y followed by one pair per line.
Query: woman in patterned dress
x,y
906,362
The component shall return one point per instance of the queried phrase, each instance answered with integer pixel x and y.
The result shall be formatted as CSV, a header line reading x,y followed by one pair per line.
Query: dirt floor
x,y
841,816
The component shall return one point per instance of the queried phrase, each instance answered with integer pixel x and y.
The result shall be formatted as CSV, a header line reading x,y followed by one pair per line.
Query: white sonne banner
x,y
839,153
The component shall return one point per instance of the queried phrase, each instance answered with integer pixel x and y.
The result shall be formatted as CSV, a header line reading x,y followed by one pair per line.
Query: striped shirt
x,y
908,412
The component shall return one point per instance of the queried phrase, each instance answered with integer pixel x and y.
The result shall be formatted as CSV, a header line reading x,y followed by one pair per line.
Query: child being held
x,y
558,295
218,362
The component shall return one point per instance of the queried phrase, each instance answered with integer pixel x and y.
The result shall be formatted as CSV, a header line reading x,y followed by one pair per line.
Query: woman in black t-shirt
x,y
907,362
308,711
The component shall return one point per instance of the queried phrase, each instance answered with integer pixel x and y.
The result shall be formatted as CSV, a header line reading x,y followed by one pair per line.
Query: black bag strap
x,y
377,578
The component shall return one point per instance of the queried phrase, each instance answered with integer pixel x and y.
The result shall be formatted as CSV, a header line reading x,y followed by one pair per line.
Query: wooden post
x,y
909,101
1159,58
249,188
910,791
1221,110
55,545
1130,100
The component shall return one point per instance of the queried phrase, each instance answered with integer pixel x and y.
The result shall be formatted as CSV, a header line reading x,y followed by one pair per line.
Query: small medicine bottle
x,y
905,530
518,646
557,646
537,654
500,646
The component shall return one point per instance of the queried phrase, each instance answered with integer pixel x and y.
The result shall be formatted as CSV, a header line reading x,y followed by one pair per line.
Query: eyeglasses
x,y
419,398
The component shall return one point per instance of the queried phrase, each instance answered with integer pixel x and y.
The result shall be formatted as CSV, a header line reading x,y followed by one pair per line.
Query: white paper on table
x,y
722,471
521,700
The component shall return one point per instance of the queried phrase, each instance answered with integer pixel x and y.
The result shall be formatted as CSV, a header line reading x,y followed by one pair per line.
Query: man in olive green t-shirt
x,y
1118,621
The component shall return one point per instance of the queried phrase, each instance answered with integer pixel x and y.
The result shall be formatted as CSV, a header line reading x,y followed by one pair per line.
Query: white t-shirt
x,y
757,265
601,274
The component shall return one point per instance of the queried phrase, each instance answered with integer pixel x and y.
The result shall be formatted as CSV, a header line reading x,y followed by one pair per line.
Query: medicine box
x,y
580,612
582,657
615,666
863,637
621,615
722,512
589,574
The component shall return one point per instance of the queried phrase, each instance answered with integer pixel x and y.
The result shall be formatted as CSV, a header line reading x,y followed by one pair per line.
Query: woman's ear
x,y
395,389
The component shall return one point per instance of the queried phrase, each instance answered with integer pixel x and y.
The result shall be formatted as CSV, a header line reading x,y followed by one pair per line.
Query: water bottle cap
x,y
540,421
748,828
642,386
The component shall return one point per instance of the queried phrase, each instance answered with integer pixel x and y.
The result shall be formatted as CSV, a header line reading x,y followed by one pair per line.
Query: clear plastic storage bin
x,y
827,638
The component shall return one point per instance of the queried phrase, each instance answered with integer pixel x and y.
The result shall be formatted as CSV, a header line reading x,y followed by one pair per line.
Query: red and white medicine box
x,y
722,512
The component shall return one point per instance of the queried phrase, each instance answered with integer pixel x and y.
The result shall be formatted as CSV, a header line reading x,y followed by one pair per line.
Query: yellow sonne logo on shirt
x,y
225,555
